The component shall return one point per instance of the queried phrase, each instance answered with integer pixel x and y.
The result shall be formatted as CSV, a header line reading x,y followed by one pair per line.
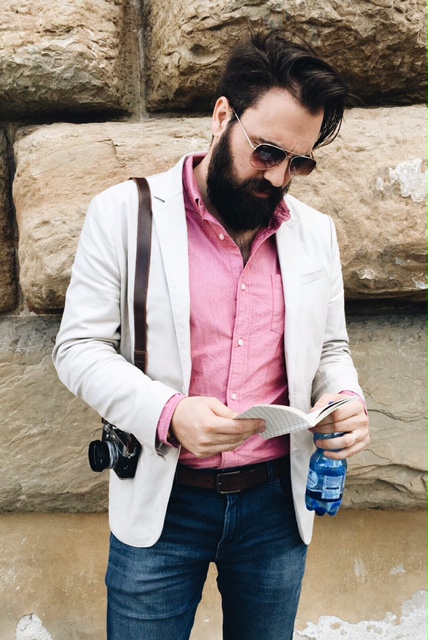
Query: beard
x,y
235,201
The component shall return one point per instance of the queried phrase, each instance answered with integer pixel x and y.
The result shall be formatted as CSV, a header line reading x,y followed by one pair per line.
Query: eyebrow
x,y
253,140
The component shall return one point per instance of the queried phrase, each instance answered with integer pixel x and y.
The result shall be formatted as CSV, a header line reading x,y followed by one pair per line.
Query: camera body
x,y
116,450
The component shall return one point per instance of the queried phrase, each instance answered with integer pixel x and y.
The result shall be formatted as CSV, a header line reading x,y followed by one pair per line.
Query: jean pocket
x,y
283,486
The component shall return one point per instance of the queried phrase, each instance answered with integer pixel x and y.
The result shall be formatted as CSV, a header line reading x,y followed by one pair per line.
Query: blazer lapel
x,y
170,225
289,254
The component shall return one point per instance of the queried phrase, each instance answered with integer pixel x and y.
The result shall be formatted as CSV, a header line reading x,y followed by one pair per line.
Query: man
x,y
245,306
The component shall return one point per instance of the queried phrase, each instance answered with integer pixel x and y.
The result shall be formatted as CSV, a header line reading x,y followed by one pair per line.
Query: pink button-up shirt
x,y
237,318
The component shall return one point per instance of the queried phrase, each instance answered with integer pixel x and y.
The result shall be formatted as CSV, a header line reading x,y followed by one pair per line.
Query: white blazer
x,y
94,347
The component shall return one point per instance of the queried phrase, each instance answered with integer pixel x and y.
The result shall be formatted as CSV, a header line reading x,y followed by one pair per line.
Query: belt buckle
x,y
218,479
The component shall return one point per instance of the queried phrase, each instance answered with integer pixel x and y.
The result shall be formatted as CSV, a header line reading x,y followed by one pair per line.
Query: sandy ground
x,y
365,579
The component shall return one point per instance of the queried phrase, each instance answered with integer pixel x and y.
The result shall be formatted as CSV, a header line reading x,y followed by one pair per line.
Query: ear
x,y
221,116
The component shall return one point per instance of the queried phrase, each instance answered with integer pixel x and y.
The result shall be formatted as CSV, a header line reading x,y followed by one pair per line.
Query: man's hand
x,y
351,419
205,426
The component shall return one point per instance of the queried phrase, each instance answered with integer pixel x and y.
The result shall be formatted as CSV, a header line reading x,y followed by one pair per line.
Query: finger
x,y
253,425
211,444
224,430
358,444
356,421
347,412
235,427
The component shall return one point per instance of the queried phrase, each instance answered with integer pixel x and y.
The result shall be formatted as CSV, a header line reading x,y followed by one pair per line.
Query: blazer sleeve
x,y
336,371
88,354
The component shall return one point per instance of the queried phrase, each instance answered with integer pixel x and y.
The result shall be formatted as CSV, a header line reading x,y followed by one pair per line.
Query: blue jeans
x,y
253,539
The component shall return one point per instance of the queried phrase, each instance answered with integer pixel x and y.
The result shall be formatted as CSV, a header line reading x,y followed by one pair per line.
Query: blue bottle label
x,y
312,479
332,487
326,481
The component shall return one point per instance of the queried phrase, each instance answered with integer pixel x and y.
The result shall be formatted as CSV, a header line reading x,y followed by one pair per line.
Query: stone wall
x,y
94,91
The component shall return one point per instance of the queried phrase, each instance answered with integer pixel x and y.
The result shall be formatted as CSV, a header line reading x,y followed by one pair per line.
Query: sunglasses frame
x,y
287,154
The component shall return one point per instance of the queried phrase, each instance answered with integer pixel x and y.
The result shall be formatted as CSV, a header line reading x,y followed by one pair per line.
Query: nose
x,y
279,175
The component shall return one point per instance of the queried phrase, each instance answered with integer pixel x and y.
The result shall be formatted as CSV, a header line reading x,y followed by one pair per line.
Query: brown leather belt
x,y
235,480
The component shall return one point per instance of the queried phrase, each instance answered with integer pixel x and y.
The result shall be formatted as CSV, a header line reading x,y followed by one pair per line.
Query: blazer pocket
x,y
312,276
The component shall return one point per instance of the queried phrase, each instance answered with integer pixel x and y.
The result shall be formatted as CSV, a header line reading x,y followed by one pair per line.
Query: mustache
x,y
263,186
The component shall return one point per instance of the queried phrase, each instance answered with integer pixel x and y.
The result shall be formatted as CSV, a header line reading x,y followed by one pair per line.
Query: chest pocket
x,y
312,276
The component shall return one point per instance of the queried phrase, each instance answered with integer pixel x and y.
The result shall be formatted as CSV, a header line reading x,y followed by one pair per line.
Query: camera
x,y
116,450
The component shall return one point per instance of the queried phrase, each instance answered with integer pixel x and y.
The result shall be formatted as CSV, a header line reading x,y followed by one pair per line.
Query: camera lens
x,y
101,455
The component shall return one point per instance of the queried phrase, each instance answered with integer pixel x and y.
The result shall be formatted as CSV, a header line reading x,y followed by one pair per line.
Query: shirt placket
x,y
240,340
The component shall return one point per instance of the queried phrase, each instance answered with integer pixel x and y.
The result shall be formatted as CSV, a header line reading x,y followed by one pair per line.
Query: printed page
x,y
281,420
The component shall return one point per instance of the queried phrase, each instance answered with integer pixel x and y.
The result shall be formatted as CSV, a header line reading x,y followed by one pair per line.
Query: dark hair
x,y
268,61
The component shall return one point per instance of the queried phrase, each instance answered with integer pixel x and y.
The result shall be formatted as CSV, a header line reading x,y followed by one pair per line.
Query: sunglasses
x,y
266,156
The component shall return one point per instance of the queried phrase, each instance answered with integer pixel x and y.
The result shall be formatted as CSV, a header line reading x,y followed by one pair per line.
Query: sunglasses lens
x,y
266,156
302,166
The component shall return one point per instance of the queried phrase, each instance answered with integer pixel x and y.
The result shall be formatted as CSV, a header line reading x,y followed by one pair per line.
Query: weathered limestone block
x,y
373,181
45,430
61,167
379,46
378,208
65,55
8,293
389,353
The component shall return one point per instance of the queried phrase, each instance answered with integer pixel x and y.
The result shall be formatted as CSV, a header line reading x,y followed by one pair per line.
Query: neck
x,y
244,241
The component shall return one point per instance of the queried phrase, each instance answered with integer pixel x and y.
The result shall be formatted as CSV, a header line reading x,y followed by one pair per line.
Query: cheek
x,y
240,152
242,169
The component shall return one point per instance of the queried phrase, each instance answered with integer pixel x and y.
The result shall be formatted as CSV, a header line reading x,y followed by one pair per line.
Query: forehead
x,y
279,118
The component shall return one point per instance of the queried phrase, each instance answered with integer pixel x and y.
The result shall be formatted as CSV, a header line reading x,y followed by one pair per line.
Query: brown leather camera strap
x,y
142,267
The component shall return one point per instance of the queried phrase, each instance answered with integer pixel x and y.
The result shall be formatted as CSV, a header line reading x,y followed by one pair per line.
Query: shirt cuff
x,y
165,418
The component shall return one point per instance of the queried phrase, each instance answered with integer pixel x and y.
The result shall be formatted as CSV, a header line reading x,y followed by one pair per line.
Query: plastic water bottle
x,y
326,480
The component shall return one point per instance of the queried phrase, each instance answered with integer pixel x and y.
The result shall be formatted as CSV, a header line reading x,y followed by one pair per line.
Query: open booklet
x,y
281,419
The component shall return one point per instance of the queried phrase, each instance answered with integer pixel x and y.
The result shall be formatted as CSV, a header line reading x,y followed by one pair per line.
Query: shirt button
x,y
221,236
240,342
243,286
234,396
